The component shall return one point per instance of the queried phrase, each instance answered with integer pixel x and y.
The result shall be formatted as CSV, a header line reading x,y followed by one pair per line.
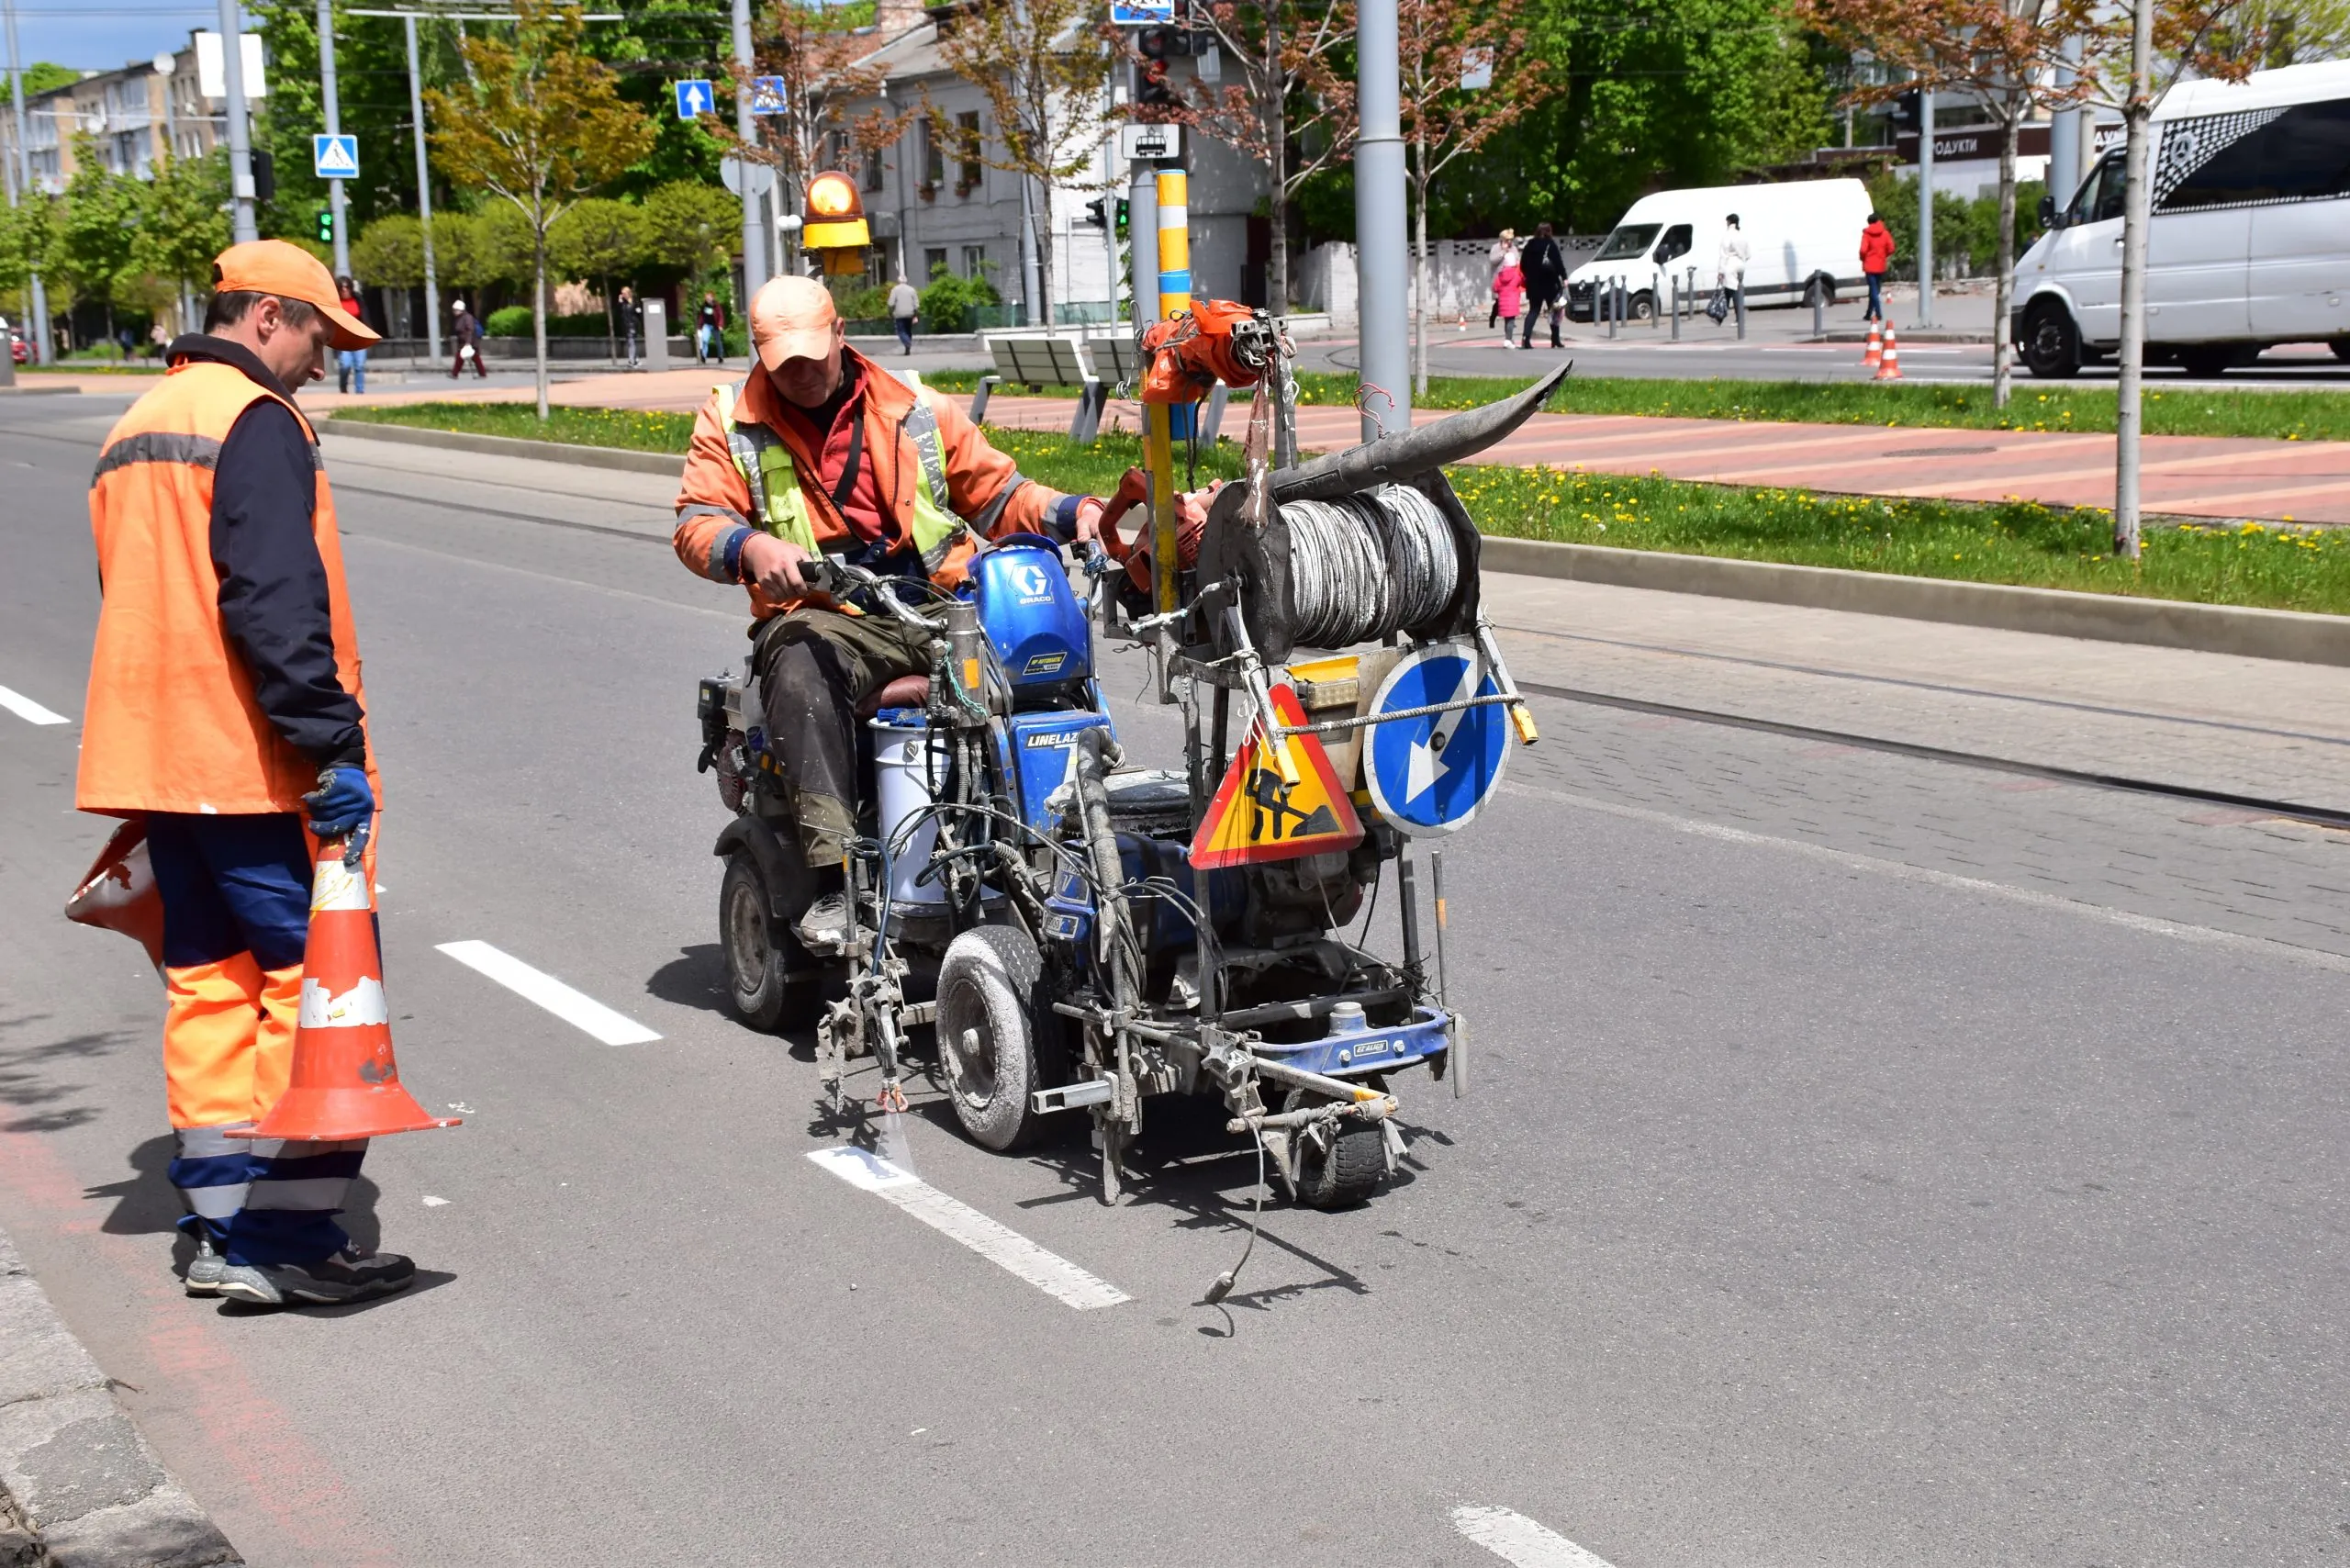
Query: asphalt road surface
x,y
1813,1201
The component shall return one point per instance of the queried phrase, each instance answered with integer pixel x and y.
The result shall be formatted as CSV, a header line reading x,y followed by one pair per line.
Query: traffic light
x,y
326,226
264,167
1150,85
1908,115
1122,215
1094,215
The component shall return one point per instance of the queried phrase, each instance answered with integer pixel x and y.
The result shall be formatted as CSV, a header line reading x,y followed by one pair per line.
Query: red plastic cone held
x,y
344,1084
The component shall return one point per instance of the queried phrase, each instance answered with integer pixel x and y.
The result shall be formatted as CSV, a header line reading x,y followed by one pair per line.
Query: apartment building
x,y
136,116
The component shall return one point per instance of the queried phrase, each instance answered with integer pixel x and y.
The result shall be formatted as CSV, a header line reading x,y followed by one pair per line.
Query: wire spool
x,y
1367,565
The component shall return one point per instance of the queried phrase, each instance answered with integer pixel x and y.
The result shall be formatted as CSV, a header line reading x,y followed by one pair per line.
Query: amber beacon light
x,y
835,215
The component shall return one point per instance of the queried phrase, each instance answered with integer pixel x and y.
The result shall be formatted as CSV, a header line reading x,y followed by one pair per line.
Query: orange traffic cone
x,y
1875,355
344,1082
1889,368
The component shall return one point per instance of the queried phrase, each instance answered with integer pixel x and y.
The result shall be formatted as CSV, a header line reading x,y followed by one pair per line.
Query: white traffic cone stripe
x,y
338,885
361,1005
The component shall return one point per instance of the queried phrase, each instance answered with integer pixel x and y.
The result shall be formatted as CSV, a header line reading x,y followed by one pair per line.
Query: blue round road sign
x,y
1429,774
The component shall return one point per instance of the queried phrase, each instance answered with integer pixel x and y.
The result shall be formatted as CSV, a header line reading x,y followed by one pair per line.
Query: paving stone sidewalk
x,y
79,1487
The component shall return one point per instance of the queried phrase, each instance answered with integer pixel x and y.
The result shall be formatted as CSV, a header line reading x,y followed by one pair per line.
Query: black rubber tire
x,y
771,984
2340,347
2205,361
1346,1170
1641,307
990,985
1819,289
2051,344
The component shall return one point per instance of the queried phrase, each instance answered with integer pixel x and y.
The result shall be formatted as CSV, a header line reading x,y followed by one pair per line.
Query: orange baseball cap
x,y
792,317
289,272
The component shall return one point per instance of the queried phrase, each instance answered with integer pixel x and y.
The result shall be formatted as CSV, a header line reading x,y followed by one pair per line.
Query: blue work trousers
x,y
235,893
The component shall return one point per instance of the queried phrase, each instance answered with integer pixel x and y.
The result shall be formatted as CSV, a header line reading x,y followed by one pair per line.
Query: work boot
x,y
824,927
204,1270
350,1275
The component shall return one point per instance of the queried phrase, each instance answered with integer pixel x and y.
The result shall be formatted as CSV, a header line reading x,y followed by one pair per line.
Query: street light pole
x,y
423,194
334,128
2137,214
1926,208
746,126
1380,287
242,227
23,187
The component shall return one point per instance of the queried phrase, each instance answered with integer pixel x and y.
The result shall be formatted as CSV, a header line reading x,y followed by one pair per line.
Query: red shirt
x,y
834,431
1877,247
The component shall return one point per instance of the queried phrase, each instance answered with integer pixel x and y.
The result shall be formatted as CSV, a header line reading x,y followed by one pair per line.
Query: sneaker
x,y
204,1272
824,929
348,1276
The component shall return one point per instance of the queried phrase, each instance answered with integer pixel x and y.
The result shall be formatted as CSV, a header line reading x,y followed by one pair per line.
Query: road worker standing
x,y
819,449
225,709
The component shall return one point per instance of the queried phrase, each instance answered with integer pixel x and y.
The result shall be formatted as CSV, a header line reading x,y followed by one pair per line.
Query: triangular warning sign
x,y
1255,817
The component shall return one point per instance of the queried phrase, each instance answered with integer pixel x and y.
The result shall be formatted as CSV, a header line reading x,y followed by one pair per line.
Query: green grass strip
x,y
2020,542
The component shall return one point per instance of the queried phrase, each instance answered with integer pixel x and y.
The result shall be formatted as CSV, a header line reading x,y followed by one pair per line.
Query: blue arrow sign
x,y
1141,13
334,157
766,94
1429,774
695,98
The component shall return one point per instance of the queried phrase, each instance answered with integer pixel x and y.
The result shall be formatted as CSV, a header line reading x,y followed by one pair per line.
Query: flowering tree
x,y
538,122
1467,74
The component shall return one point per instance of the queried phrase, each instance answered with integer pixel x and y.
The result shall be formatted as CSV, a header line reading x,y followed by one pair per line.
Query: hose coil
x,y
1367,565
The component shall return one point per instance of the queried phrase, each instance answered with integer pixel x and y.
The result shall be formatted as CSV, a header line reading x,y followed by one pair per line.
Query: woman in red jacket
x,y
1876,250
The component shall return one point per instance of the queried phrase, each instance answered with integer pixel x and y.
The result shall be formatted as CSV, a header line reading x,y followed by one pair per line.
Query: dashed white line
x,y
1514,1538
576,1008
30,712
951,1218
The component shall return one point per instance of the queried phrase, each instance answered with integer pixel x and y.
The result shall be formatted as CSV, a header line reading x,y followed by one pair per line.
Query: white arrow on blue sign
x,y
334,157
1429,774
695,98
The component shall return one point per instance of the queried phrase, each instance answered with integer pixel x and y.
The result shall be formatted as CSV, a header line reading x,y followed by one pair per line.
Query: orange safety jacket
x,y
984,487
172,723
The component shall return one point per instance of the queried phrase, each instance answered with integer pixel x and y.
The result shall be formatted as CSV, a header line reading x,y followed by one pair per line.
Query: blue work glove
x,y
342,804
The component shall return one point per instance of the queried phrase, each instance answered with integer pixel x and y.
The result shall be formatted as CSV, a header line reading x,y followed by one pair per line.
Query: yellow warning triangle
x,y
1255,817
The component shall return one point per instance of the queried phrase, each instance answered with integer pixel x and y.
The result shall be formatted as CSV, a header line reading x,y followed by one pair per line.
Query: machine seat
x,y
906,691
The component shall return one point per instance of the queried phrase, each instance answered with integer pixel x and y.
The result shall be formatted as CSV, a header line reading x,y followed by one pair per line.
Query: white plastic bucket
x,y
904,776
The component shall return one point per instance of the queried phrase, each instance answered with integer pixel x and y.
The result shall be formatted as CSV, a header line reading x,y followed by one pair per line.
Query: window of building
x,y
933,263
873,171
968,179
933,157
975,261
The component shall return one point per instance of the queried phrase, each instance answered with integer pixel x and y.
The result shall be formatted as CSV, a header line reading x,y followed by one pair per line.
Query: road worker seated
x,y
821,450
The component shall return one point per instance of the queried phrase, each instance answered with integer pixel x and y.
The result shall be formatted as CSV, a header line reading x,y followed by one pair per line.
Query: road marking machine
x,y
1082,933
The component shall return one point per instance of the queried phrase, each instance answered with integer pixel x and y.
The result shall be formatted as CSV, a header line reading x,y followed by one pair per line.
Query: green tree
x,y
390,252
43,74
541,126
602,238
691,227
94,249
186,221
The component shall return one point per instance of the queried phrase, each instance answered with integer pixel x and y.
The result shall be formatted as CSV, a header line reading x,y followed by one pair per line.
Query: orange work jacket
x,y
170,724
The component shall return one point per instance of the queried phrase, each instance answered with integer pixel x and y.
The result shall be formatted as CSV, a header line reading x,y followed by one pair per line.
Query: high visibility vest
x,y
171,723
778,506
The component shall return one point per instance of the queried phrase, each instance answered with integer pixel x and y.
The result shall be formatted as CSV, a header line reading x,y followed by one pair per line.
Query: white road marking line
x,y
2177,930
433,1203
1049,1273
1516,1538
30,712
576,1008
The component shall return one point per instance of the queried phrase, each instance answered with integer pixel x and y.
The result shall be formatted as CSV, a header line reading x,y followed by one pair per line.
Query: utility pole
x,y
242,227
1926,208
746,126
23,188
423,194
1110,223
1381,299
1142,261
2064,128
334,128
2137,216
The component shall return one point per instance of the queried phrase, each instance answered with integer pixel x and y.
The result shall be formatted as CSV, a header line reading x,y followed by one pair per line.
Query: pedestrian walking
x,y
1509,298
1731,253
1502,253
905,309
225,709
631,312
350,364
465,339
1877,252
710,330
1544,267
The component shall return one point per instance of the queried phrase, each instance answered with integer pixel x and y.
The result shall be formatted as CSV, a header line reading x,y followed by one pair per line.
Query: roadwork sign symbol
x,y
1429,775
766,94
1257,817
695,98
334,157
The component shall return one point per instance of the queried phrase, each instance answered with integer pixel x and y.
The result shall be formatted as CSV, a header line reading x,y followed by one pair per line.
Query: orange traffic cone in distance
x,y
1875,356
1889,369
344,1082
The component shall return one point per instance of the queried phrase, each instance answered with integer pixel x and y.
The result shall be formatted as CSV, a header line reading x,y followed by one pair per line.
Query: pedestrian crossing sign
x,y
334,157
695,98
1257,816
766,95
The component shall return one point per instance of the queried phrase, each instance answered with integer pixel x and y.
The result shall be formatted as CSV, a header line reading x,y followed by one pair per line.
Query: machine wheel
x,y
2210,359
1819,289
770,983
990,990
2051,344
1336,1169
1641,307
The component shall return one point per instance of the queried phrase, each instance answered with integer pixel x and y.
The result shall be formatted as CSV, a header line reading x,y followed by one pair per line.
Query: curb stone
x,y
2295,635
79,1487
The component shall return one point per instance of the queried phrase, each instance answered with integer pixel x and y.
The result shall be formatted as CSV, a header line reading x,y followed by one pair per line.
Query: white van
x,y
1802,237
2251,238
